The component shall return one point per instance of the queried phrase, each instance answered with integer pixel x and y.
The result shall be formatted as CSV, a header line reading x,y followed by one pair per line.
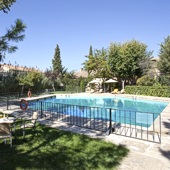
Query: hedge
x,y
159,91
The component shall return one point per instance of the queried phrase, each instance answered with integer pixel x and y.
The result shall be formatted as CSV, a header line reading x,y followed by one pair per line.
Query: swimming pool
x,y
123,110
113,102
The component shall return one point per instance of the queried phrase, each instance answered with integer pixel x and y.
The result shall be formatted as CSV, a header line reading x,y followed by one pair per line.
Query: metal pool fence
x,y
139,125
8,102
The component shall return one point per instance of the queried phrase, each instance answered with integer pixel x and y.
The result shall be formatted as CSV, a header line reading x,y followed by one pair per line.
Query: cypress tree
x,y
91,51
56,61
164,56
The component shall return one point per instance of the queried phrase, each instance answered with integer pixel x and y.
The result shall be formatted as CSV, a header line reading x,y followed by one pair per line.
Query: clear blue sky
x,y
76,24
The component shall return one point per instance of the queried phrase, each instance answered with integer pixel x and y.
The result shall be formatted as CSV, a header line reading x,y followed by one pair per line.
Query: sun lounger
x,y
122,91
100,91
115,91
92,91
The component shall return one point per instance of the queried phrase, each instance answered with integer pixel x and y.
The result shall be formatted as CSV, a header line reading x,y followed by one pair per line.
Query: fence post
x,y
19,95
109,130
7,103
41,110
160,125
110,120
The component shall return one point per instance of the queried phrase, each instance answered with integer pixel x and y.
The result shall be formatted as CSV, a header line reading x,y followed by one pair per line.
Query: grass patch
x,y
53,149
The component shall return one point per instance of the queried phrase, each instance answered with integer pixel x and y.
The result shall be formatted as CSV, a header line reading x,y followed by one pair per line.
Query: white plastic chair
x,y
29,123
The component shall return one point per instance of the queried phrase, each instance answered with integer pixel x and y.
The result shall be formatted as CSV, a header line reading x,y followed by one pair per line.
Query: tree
x,y
25,80
69,76
36,79
96,63
91,51
13,34
164,80
51,77
5,5
129,61
88,66
32,78
57,63
164,57
9,82
146,81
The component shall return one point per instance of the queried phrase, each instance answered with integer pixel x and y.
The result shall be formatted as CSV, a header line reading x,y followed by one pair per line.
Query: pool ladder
x,y
135,95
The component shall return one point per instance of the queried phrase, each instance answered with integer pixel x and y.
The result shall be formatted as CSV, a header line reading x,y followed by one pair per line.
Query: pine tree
x,y
57,63
5,5
14,34
164,56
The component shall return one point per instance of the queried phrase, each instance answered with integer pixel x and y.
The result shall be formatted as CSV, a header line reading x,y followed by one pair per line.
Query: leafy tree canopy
x,y
96,63
25,80
35,77
30,79
129,60
146,81
51,78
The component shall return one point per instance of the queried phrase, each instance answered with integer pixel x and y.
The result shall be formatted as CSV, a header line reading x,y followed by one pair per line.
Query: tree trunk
x,y
22,90
53,87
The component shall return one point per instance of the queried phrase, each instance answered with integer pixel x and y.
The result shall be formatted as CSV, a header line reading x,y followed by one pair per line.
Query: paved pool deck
x,y
143,155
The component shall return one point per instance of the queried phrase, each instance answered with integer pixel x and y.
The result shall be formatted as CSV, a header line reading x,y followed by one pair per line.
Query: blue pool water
x,y
115,103
124,110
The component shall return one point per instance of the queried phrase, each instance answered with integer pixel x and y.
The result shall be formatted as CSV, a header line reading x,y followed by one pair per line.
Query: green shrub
x,y
146,81
160,91
164,80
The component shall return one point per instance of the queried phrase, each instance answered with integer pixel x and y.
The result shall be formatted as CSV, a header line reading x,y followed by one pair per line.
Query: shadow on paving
x,y
3,104
167,126
165,153
55,149
10,105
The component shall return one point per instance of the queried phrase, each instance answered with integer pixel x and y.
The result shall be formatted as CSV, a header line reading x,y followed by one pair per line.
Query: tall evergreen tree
x,y
164,56
91,51
56,61
89,61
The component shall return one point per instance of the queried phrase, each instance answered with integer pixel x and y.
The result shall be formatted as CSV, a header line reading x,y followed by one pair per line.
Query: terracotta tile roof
x,y
7,67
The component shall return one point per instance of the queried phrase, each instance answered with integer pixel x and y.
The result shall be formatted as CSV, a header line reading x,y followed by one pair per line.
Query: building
x,y
6,68
81,73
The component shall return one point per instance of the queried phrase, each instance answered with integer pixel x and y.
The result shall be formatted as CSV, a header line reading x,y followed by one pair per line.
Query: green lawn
x,y
53,149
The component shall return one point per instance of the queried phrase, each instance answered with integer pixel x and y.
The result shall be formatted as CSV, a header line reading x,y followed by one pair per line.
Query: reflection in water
x,y
116,103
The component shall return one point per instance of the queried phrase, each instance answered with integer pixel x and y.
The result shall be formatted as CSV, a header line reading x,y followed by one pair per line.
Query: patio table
x,y
8,120
6,128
